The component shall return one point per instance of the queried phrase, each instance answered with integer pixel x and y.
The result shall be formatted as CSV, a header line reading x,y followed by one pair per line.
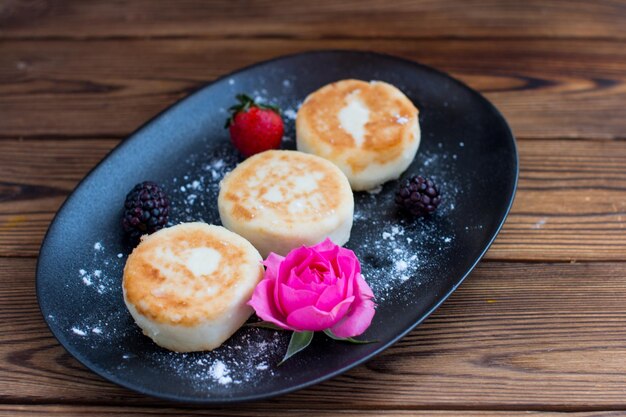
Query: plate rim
x,y
93,367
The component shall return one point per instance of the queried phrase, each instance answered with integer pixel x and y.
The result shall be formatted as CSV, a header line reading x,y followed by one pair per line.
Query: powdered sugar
x,y
245,358
290,114
401,120
398,252
394,250
78,331
196,198
401,264
398,256
219,372
193,196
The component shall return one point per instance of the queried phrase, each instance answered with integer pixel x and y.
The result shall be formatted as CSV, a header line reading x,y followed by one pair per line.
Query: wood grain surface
x,y
545,88
72,411
375,19
538,329
517,336
567,190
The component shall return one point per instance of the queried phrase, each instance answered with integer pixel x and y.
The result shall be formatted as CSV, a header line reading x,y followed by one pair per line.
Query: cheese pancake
x,y
370,130
280,200
187,286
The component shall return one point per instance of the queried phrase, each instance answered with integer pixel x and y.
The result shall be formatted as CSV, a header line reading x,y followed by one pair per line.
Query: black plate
x,y
412,266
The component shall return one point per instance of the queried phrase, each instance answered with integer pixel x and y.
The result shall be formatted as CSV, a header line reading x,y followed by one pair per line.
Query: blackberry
x,y
146,210
418,195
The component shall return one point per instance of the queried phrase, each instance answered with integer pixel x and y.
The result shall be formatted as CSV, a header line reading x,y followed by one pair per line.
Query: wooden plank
x,y
348,18
514,336
570,203
545,88
33,185
82,410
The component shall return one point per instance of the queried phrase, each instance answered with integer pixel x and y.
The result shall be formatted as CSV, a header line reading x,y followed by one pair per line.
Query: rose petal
x,y
319,268
350,267
347,253
304,264
299,282
265,308
313,319
295,260
327,244
310,319
331,296
329,278
272,264
357,321
317,262
364,287
292,299
342,308
360,315
327,252
330,255
276,298
335,266
347,264
317,287
306,281
348,285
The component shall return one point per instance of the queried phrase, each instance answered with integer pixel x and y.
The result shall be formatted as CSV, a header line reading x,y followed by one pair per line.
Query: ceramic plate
x,y
412,266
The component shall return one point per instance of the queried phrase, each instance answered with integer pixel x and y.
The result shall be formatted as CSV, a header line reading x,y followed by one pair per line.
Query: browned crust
x,y
144,272
300,164
385,139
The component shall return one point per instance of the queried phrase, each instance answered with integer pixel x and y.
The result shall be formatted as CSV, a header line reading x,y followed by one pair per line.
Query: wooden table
x,y
539,326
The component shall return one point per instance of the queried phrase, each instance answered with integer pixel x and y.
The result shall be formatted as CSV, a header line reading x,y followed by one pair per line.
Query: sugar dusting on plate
x,y
394,252
244,358
219,372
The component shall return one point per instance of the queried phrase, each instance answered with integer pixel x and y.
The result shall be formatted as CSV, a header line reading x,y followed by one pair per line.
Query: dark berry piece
x,y
146,210
418,196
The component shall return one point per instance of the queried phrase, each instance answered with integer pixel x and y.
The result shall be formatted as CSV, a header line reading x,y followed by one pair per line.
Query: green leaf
x,y
245,102
264,325
299,341
244,99
271,107
330,334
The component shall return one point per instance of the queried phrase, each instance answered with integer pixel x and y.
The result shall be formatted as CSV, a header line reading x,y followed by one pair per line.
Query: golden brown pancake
x,y
280,200
370,130
187,286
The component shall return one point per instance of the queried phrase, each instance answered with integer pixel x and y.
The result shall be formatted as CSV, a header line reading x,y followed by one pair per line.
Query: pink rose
x,y
315,288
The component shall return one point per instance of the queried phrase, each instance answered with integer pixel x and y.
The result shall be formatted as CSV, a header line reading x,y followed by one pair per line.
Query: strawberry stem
x,y
246,103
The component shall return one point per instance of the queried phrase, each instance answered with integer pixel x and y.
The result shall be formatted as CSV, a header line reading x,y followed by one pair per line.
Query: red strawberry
x,y
254,127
